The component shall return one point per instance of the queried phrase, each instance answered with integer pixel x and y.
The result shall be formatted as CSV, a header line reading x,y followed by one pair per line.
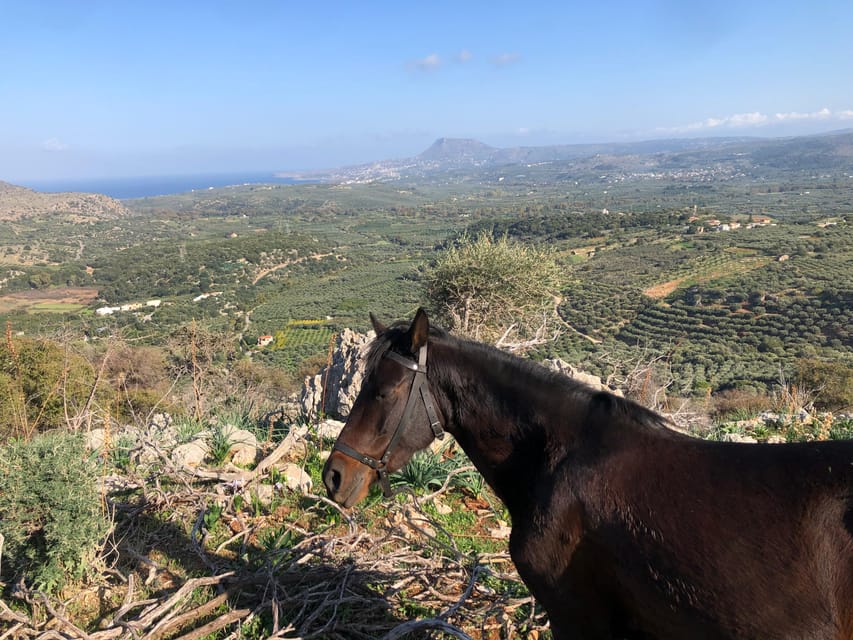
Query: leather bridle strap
x,y
420,389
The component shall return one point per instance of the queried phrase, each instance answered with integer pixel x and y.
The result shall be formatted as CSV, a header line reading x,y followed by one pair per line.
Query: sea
x,y
148,186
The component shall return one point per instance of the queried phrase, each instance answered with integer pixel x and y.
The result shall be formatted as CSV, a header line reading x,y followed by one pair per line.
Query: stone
x,y
738,437
561,366
329,429
264,493
296,479
244,447
191,454
95,439
333,390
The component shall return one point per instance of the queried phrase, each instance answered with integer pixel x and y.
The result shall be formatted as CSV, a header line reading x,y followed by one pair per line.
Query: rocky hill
x,y
20,203
761,158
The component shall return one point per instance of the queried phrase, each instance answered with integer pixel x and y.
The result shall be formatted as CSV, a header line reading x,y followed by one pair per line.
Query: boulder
x,y
191,454
561,366
738,437
95,439
244,446
296,479
332,392
329,429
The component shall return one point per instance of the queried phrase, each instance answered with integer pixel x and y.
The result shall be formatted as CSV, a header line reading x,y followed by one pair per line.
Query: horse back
x,y
671,536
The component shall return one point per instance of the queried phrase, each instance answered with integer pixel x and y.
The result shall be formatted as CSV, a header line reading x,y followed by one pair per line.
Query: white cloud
x,y
464,56
429,63
54,144
758,119
823,114
505,59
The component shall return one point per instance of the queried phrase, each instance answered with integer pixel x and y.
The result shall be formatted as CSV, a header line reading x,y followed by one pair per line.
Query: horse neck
x,y
505,422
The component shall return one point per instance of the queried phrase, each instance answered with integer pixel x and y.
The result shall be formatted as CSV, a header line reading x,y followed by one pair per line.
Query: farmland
x,y
731,280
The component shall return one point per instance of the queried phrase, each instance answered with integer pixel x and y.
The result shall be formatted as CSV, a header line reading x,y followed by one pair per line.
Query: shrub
x,y
47,383
488,288
831,382
50,509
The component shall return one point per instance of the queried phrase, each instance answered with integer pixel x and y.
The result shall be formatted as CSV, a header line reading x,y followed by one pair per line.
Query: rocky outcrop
x,y
18,203
561,366
333,390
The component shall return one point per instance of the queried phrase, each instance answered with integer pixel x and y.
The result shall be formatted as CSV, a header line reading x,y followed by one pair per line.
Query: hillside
x,y
465,159
20,203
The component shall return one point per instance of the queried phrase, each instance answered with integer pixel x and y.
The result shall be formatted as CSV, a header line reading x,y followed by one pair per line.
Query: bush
x,y
46,384
51,514
831,383
484,288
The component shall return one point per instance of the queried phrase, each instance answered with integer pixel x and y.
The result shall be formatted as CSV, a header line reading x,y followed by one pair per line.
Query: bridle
x,y
420,388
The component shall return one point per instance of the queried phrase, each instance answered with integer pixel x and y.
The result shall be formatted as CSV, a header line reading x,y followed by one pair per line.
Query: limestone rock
x,y
191,454
561,366
737,437
297,480
244,446
332,392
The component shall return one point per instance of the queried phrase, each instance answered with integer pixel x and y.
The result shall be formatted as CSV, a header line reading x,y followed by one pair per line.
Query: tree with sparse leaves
x,y
496,290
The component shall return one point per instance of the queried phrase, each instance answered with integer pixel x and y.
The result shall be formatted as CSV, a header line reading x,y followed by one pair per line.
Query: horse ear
x,y
378,327
419,331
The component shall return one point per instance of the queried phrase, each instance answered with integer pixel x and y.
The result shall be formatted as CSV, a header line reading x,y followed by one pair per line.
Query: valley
x,y
732,262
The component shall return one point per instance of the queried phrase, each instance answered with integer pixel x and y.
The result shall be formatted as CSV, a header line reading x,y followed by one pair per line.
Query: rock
x,y
161,421
502,531
561,366
296,479
329,429
191,454
776,439
332,391
244,447
95,439
738,437
295,444
116,484
441,507
264,493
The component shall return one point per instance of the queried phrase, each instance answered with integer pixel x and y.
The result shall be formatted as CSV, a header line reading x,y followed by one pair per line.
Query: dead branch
x,y
429,624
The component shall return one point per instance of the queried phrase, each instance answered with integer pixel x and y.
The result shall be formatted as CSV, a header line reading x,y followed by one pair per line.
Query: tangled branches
x,y
302,569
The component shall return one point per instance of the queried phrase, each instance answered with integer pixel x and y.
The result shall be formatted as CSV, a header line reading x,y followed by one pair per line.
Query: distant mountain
x,y
458,151
18,203
710,158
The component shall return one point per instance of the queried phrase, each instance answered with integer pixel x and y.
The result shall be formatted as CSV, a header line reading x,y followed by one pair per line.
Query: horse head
x,y
394,414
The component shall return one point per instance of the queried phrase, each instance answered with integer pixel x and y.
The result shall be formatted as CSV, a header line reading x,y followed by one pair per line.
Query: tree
x,y
496,290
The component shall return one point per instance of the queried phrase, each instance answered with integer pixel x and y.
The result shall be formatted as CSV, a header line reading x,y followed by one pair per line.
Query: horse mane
x,y
528,371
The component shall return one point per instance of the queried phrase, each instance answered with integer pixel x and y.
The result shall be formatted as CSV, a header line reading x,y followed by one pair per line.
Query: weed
x,y
841,430
425,471
120,453
50,509
220,443
186,429
212,516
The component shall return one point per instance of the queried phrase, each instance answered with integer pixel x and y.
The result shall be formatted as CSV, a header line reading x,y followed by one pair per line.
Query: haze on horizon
x,y
110,89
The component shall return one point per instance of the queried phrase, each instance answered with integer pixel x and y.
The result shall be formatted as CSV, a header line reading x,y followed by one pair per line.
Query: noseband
x,y
420,387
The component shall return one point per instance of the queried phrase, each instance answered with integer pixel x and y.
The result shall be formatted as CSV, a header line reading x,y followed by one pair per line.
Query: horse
x,y
622,526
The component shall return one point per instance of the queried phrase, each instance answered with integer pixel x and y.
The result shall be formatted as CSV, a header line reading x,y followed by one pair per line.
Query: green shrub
x,y
47,383
831,382
51,514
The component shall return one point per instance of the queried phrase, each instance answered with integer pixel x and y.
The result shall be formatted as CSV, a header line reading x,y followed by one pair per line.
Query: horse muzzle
x,y
347,481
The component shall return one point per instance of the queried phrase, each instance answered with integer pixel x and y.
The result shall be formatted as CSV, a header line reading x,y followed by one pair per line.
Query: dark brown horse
x,y
622,527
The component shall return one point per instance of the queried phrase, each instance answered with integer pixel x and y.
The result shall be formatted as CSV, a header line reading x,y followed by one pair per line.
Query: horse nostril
x,y
332,480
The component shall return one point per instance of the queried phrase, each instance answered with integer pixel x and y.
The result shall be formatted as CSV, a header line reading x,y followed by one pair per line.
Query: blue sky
x,y
121,88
